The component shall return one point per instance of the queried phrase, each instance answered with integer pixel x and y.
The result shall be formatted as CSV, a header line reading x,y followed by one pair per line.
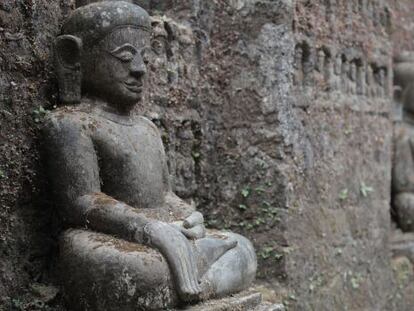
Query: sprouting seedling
x,y
365,190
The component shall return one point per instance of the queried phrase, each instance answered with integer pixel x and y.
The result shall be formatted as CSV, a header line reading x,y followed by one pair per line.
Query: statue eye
x,y
124,53
124,56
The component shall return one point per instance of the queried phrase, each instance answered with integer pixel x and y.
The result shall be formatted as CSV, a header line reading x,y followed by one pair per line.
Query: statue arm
x,y
183,215
177,207
74,170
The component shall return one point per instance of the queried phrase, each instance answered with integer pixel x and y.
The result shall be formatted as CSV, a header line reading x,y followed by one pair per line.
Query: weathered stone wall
x,y
403,25
276,117
340,218
27,31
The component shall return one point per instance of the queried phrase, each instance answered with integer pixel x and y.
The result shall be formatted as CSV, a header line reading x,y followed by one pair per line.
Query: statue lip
x,y
133,87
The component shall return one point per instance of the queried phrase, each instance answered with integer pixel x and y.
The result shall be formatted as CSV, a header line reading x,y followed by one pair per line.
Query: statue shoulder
x,y
64,120
149,124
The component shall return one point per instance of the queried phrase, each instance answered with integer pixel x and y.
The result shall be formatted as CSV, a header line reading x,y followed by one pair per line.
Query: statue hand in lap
x,y
108,167
181,257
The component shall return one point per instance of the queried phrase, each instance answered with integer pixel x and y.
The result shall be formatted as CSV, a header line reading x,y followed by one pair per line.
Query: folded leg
x,y
234,270
100,272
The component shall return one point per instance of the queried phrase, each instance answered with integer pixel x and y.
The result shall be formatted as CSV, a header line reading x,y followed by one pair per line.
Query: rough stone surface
x,y
301,170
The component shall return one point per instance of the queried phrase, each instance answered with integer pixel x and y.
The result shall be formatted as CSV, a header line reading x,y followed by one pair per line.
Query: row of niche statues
x,y
338,73
130,242
403,164
370,10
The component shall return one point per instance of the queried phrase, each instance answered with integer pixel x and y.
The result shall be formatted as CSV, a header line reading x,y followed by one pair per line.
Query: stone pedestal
x,y
402,244
245,301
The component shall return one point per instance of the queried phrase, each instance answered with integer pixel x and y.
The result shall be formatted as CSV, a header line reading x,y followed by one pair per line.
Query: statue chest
x,y
132,163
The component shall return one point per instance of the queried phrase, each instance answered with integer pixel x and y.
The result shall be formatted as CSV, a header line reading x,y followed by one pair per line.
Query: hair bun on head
x,y
80,3
94,21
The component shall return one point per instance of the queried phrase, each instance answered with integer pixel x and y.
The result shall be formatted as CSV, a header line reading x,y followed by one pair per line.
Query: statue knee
x,y
130,276
245,254
243,244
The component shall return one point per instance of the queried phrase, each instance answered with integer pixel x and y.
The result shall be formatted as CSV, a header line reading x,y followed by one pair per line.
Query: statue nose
x,y
138,67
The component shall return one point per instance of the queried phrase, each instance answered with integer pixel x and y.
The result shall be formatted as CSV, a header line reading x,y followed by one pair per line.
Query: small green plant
x,y
292,297
348,131
195,154
18,304
365,190
354,283
249,226
338,252
316,281
245,192
242,207
39,113
343,194
266,252
260,190
269,210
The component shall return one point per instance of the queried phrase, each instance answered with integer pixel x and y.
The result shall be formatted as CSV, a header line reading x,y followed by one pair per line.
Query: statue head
x,y
102,53
404,79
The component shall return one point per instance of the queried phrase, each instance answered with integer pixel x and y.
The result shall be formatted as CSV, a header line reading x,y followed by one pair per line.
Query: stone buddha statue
x,y
403,166
130,243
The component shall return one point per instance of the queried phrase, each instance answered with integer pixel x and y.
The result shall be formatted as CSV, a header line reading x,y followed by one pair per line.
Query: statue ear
x,y
68,51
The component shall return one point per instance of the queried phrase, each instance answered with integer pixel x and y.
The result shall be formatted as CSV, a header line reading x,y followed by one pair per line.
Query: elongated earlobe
x,y
68,51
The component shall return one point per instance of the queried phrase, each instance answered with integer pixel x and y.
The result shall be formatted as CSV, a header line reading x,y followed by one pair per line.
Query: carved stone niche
x,y
129,242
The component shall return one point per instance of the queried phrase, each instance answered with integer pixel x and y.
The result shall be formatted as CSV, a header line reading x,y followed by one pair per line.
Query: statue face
x,y
114,69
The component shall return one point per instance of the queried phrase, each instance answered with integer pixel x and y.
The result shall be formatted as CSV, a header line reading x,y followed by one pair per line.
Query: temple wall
x,y
27,32
277,121
340,222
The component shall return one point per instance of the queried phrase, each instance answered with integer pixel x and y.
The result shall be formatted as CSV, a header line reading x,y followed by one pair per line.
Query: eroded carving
x,y
353,78
360,78
345,73
370,11
329,70
298,65
370,90
134,244
304,66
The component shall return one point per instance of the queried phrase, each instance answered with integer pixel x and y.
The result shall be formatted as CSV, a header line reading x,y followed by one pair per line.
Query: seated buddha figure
x,y
403,166
130,243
